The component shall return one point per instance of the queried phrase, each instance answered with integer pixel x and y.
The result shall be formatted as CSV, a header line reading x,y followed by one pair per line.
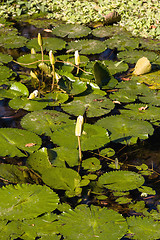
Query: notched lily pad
x,y
5,73
121,180
91,223
92,137
71,30
125,130
18,142
5,58
26,201
45,121
95,105
12,41
87,46
115,67
48,44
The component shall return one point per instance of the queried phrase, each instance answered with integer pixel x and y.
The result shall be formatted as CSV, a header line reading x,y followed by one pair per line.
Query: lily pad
x,y
92,137
19,87
95,105
115,67
121,180
91,223
106,31
133,56
64,179
5,73
17,142
56,98
71,30
152,98
45,121
125,130
87,46
141,112
91,164
28,104
48,44
12,41
26,201
31,60
144,228
5,58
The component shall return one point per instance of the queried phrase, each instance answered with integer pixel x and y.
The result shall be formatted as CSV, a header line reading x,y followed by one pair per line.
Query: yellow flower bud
x,y
51,57
34,94
79,124
33,75
33,51
40,42
77,58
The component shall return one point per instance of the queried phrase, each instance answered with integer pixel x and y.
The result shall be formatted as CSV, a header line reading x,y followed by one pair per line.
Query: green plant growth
x,y
66,179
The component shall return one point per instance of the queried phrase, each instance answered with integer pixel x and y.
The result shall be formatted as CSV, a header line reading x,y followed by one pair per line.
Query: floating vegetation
x,y
55,185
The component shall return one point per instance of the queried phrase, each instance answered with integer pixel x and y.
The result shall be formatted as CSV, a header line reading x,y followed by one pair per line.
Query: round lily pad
x,y
133,56
44,121
115,67
31,60
91,164
28,104
87,46
5,58
5,73
26,201
121,180
144,228
48,44
12,41
125,130
91,223
152,98
94,104
17,142
71,30
92,137
106,31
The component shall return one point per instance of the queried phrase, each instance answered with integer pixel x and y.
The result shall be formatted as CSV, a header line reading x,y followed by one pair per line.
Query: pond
x,y
79,132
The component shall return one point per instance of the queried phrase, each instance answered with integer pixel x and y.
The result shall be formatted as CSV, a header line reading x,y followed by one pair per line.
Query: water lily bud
x,y
77,58
34,94
33,75
33,51
51,57
79,124
40,42
143,66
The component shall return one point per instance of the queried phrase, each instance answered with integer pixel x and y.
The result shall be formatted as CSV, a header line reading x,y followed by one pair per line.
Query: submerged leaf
x,y
26,201
92,223
121,180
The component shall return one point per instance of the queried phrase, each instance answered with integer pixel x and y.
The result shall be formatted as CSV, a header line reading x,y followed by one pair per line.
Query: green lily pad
x,y
92,137
87,46
115,67
13,173
91,223
72,86
17,142
48,44
152,98
103,78
5,73
121,180
122,42
144,228
5,58
26,201
56,98
91,164
10,230
95,105
19,87
44,226
28,104
71,30
45,121
141,112
12,41
31,60
64,179
106,31
125,130
133,56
